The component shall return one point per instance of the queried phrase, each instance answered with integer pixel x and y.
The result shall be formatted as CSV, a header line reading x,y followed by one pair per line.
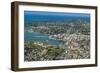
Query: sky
x,y
33,16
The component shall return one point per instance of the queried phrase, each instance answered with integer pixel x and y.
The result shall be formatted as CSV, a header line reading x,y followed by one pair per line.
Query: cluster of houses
x,y
71,39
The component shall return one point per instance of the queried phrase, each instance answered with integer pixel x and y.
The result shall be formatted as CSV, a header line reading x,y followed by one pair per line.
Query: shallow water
x,y
35,36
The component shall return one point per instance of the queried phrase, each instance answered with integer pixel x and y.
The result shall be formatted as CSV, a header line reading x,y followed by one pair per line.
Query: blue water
x,y
34,36
40,16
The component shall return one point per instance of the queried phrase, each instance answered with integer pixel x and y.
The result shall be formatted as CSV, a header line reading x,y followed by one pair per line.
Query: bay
x,y
36,36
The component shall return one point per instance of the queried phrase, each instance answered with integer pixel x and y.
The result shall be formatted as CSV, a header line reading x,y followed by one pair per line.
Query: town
x,y
73,38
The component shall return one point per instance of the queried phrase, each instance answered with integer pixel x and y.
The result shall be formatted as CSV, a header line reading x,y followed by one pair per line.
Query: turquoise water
x,y
35,36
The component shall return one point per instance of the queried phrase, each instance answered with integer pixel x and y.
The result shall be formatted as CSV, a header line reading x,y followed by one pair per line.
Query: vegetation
x,y
36,52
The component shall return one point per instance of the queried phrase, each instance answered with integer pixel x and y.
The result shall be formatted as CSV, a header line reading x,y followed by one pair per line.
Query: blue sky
x,y
31,16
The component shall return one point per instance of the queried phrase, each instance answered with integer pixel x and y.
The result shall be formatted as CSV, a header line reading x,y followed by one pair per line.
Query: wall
x,y
5,28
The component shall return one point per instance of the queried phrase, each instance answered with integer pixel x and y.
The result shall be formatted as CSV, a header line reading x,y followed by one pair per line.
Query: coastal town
x,y
73,38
